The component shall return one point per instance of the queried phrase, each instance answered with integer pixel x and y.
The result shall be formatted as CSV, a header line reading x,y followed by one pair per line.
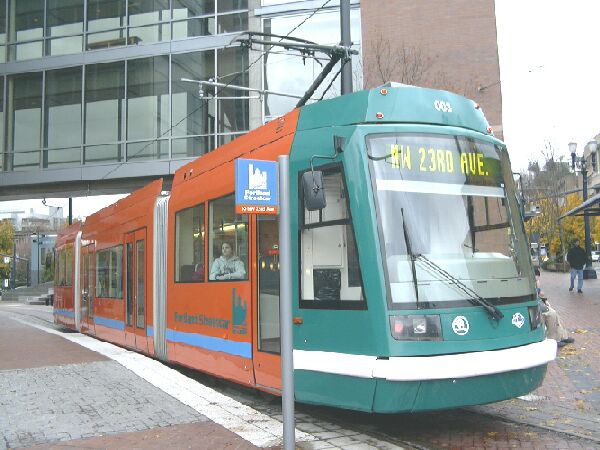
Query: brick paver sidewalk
x,y
569,399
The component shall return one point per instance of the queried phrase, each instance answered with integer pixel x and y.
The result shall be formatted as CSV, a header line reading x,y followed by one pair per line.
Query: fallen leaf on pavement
x,y
580,331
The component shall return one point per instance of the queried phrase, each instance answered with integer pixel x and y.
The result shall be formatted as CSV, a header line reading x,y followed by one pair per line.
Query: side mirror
x,y
314,193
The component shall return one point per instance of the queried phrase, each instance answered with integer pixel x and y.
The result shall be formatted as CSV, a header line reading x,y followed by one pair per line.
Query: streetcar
x,y
413,288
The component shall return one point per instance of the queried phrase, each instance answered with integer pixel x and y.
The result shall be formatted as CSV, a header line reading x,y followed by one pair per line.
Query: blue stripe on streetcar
x,y
149,331
110,323
64,312
243,349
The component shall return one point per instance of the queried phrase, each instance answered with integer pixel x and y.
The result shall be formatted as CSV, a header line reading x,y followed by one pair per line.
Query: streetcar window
x,y
109,272
69,266
64,264
330,269
228,241
189,245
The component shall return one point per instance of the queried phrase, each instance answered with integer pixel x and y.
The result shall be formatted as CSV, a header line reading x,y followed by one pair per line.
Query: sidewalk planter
x,y
553,266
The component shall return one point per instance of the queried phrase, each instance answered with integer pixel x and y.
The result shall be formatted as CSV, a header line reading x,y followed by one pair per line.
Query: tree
x,y
546,189
391,61
7,236
573,227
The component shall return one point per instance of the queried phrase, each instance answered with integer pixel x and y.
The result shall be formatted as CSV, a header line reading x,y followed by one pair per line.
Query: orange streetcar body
x,y
115,241
217,345
64,280
205,323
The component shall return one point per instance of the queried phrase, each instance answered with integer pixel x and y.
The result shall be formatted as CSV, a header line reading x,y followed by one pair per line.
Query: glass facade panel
x,y
63,117
64,18
2,148
2,35
63,108
293,75
61,157
233,113
148,21
183,9
231,5
148,150
25,93
79,115
105,14
104,102
148,12
28,22
193,146
192,114
102,153
232,22
64,46
2,21
29,50
233,116
202,26
147,98
149,34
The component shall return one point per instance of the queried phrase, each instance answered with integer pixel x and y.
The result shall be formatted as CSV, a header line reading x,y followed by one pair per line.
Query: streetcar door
x,y
83,283
267,342
87,276
135,296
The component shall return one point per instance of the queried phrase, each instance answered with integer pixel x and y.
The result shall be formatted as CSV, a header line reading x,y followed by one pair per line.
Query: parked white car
x,y
595,255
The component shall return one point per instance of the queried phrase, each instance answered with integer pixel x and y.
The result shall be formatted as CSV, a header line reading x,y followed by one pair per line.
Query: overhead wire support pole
x,y
285,308
346,43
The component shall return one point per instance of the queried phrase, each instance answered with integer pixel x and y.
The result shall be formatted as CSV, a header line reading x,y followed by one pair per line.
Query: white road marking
x,y
253,426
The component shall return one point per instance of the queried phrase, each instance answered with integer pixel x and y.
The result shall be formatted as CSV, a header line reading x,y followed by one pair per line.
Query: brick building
x,y
447,44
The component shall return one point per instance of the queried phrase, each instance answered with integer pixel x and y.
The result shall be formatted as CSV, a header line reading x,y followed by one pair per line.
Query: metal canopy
x,y
590,208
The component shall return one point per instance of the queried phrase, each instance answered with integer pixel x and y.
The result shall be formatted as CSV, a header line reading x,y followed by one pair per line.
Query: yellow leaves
x,y
492,434
581,331
568,351
580,404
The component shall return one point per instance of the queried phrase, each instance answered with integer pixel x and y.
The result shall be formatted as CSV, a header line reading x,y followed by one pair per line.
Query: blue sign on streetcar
x,y
256,187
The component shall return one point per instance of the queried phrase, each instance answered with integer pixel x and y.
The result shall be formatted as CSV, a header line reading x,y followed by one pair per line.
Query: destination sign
x,y
446,159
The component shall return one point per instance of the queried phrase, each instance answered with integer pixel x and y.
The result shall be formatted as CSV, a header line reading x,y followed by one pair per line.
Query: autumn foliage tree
x,y
7,236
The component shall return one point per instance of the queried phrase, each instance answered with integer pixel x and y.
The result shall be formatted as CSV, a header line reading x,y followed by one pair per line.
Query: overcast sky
x,y
550,78
550,74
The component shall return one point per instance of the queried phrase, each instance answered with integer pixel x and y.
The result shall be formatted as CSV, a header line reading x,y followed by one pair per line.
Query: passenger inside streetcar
x,y
227,266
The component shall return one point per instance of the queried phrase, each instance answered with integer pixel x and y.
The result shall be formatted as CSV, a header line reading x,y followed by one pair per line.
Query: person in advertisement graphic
x,y
227,266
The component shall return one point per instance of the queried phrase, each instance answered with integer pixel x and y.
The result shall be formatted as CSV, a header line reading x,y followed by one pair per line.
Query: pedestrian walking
x,y
576,258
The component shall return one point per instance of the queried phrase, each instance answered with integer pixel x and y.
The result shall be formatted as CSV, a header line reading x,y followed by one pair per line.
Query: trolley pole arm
x,y
313,87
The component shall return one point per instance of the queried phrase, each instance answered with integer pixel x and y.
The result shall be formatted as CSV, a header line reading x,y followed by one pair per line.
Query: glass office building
x,y
99,83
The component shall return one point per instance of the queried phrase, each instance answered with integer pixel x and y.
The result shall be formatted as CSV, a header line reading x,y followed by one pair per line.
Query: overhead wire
x,y
217,93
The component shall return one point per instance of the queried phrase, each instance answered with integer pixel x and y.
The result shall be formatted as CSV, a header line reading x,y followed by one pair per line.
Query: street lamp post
x,y
581,164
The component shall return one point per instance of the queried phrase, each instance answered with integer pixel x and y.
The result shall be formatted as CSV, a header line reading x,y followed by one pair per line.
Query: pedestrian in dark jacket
x,y
576,259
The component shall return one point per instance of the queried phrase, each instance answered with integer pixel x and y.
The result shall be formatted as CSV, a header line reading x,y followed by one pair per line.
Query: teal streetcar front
x,y
449,314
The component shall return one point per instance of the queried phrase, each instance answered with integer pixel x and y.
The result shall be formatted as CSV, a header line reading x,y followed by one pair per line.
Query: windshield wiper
x,y
473,296
412,257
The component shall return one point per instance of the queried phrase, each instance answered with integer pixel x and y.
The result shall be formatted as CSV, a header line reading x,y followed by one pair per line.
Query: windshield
x,y
448,220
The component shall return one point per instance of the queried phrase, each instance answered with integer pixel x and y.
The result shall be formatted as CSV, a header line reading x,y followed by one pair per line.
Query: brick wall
x,y
453,41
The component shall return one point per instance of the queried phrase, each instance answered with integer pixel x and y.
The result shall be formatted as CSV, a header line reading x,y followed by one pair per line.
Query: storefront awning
x,y
591,208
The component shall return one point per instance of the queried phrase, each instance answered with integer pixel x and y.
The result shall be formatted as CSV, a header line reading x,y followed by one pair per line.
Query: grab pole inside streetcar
x,y
285,307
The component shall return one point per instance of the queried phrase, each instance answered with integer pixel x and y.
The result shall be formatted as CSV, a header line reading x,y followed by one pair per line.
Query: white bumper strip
x,y
413,368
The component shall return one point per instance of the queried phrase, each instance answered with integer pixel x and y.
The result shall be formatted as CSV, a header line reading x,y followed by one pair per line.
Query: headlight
x,y
416,328
535,316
